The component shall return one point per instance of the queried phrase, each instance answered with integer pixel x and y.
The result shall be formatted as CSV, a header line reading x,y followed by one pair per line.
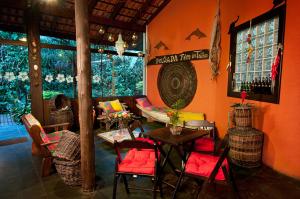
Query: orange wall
x,y
277,121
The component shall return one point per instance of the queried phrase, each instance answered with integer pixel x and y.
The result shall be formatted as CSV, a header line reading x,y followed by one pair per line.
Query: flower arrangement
x,y
173,113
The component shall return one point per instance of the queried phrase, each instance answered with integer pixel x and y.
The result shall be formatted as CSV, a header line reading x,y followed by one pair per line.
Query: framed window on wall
x,y
262,36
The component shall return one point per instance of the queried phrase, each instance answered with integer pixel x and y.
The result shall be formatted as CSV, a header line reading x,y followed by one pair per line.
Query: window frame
x,y
273,98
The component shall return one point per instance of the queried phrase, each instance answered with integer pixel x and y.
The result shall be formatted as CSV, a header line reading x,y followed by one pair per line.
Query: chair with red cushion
x,y
142,159
204,144
210,168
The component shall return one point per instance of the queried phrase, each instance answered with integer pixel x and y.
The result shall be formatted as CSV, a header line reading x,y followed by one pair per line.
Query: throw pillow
x,y
116,105
106,107
143,102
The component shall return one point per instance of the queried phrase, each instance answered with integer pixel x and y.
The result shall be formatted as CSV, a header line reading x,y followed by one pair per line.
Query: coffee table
x,y
117,135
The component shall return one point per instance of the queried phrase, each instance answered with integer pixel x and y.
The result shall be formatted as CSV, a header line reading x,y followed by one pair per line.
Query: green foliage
x,y
50,94
14,95
173,113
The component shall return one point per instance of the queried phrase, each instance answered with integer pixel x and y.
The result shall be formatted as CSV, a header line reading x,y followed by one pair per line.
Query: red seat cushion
x,y
138,162
203,164
51,137
204,144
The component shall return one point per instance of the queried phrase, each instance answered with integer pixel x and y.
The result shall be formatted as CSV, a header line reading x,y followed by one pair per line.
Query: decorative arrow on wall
x,y
196,33
161,44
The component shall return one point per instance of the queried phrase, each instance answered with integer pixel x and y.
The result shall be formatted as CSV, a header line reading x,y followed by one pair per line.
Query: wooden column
x,y
85,95
34,59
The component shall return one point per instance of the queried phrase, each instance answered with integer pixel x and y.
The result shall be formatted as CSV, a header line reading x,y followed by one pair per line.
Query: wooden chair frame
x,y
140,145
39,147
229,180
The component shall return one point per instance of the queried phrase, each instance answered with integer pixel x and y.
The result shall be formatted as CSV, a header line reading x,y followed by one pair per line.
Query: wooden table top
x,y
164,135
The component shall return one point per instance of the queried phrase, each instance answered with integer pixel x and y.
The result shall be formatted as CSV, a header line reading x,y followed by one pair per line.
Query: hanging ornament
x,y
69,79
110,37
228,67
275,65
120,45
250,47
49,78
101,30
125,45
101,50
134,37
133,44
140,54
23,76
60,78
109,56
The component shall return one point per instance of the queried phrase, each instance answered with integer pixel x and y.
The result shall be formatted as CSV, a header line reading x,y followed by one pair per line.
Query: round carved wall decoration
x,y
177,81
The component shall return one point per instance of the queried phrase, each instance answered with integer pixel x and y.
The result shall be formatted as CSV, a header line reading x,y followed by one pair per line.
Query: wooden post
x,y
85,95
34,58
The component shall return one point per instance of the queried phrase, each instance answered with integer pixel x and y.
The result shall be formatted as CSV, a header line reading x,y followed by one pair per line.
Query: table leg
x,y
167,159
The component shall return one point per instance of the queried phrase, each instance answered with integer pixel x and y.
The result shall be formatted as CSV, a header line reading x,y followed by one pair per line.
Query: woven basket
x,y
245,147
68,147
243,118
61,116
69,171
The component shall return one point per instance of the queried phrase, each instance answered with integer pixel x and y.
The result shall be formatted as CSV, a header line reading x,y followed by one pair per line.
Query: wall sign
x,y
185,56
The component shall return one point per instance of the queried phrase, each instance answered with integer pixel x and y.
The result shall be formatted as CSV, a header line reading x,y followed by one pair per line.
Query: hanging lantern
x,y
133,44
110,38
125,45
109,56
134,37
101,50
101,30
120,45
140,54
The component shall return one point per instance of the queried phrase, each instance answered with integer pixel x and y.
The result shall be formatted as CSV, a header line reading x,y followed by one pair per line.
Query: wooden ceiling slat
x,y
142,10
164,4
117,9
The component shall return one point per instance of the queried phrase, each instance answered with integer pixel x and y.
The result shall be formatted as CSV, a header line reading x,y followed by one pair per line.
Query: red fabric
x,y
138,161
143,102
275,64
51,137
203,164
204,144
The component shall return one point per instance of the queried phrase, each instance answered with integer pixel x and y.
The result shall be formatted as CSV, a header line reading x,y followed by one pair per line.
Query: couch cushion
x,y
203,164
143,102
116,105
106,107
138,161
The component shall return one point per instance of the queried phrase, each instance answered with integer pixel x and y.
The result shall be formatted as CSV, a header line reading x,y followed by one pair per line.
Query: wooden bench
x,y
43,144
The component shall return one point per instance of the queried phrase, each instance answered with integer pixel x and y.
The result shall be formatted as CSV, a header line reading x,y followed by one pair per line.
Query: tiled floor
x,y
20,178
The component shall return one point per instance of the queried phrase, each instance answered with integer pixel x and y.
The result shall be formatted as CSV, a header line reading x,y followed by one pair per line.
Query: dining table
x,y
181,143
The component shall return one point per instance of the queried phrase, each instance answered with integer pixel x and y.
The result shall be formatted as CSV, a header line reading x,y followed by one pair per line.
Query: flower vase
x,y
175,130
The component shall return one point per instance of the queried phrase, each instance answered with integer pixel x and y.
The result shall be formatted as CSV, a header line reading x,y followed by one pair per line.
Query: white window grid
x,y
264,42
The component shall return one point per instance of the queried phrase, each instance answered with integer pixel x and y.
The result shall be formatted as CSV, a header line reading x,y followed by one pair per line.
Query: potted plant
x,y
173,114
242,113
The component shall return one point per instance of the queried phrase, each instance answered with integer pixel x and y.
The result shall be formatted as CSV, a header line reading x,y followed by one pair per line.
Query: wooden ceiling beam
x,y
141,11
117,9
68,13
92,5
158,11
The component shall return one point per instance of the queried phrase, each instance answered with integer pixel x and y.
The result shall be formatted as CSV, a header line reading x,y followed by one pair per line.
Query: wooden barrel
x,y
245,147
243,118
